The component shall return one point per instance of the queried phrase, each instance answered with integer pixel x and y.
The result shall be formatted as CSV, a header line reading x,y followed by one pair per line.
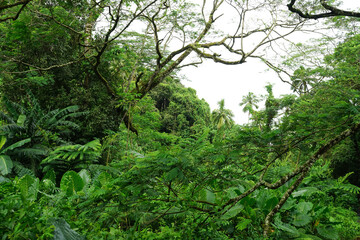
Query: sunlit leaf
x,y
71,183
5,164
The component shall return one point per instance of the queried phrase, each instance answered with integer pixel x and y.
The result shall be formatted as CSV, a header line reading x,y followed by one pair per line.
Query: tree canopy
x,y
99,139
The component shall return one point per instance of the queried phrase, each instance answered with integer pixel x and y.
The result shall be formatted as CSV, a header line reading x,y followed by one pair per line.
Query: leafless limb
x,y
331,11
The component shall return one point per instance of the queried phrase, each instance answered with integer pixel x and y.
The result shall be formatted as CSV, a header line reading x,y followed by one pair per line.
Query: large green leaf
x,y
328,232
16,145
232,212
288,228
71,183
301,220
21,120
208,196
308,237
5,164
2,141
306,191
104,178
29,187
63,231
271,203
85,175
304,207
285,227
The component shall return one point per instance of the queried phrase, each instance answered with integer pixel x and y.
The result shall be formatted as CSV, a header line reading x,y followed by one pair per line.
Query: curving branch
x,y
304,171
9,6
331,11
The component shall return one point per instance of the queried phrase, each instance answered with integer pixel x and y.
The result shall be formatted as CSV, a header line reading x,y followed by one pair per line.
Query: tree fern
x,y
350,188
73,156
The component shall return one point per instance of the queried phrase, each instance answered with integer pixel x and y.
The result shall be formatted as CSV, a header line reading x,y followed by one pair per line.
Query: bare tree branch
x,y
332,11
16,16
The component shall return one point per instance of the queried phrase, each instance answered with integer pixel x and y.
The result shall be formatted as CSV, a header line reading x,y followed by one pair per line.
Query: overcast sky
x,y
214,81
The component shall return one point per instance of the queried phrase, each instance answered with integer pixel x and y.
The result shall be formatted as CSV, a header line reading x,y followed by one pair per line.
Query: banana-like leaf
x,y
21,120
2,141
85,175
232,212
5,164
71,183
4,179
16,145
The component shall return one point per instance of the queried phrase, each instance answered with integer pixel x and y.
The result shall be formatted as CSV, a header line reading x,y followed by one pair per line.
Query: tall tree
x,y
92,35
249,102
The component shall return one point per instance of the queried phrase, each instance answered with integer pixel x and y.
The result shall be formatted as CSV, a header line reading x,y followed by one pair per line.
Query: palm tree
x,y
301,81
222,117
250,101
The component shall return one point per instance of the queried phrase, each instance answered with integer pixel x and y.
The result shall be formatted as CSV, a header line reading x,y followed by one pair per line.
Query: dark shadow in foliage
x,y
44,129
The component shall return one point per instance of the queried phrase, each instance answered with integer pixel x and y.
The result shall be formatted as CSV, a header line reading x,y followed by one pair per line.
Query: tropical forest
x,y
100,138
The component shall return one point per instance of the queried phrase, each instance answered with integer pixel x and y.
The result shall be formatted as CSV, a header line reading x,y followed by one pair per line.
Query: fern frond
x,y
350,188
96,170
342,179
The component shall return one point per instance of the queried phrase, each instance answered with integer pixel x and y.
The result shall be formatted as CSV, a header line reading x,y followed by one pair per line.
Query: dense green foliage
x,y
100,140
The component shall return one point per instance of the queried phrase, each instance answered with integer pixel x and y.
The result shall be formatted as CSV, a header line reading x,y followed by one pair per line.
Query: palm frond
x,y
65,123
350,188
8,119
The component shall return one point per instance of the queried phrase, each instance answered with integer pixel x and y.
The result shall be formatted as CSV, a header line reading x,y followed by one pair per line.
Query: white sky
x,y
214,81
